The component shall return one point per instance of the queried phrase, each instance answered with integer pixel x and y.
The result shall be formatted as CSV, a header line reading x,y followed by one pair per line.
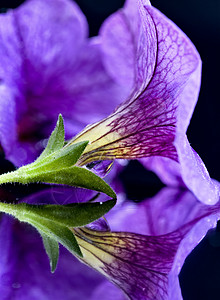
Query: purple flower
x,y
49,66
143,263
150,55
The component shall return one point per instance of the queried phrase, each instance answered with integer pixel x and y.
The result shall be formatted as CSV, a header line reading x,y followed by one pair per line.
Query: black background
x,y
200,20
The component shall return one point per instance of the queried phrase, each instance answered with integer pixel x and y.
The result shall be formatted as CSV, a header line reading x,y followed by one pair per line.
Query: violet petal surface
x,y
146,266
154,119
48,61
25,272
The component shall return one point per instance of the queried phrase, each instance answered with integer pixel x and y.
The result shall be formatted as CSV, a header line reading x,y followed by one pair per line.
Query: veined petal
x,y
147,266
145,125
170,171
138,264
152,123
190,171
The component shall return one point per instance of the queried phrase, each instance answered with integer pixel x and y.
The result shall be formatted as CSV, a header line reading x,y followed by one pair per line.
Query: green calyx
x,y
54,222
57,165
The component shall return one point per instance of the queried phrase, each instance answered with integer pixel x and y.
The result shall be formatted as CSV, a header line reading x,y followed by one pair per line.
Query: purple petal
x,y
147,266
121,34
25,272
10,84
25,50
138,264
166,169
46,43
95,94
170,209
113,292
154,120
57,27
195,174
190,171
8,134
7,259
60,195
145,125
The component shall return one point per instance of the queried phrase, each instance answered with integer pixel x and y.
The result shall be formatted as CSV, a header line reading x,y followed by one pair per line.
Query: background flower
x,y
49,66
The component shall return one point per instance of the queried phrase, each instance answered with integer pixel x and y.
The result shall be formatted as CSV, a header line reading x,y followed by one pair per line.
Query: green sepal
x,y
55,155
52,249
56,140
60,233
56,165
76,176
70,215
72,176
63,158
54,222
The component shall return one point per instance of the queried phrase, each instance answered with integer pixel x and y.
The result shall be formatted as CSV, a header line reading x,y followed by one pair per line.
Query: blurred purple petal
x,y
123,37
10,84
92,90
25,272
170,209
49,67
60,195
166,169
7,259
113,292
8,133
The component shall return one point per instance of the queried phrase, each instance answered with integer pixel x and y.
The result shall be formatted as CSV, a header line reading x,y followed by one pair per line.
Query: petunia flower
x,y
142,254
49,66
146,52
